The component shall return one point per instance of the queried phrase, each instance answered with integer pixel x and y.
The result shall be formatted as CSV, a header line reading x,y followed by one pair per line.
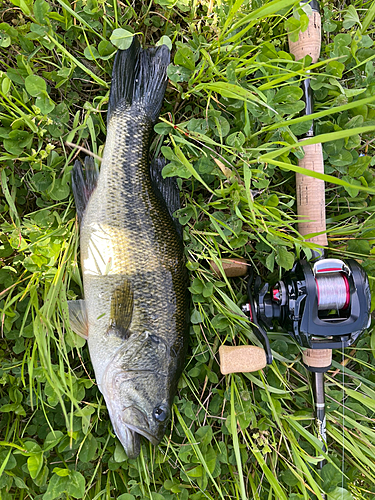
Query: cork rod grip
x,y
310,194
231,267
317,358
244,358
309,41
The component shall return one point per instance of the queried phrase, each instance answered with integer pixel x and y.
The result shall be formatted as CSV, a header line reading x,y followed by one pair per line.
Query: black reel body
x,y
325,305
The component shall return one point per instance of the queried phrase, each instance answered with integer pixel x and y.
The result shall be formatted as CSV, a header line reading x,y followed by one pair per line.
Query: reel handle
x,y
243,358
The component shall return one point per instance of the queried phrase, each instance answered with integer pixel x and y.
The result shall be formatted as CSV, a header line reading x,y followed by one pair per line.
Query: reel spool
x,y
322,306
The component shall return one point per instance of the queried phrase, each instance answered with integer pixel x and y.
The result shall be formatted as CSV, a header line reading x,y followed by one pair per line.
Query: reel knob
x,y
232,267
243,358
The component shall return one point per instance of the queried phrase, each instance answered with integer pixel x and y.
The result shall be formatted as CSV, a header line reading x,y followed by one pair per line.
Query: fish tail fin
x,y
139,80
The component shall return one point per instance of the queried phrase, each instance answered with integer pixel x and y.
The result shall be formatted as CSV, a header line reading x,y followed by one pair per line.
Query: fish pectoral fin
x,y
78,318
122,303
83,184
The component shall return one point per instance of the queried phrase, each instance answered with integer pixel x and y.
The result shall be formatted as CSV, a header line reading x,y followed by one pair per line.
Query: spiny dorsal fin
x,y
167,188
78,318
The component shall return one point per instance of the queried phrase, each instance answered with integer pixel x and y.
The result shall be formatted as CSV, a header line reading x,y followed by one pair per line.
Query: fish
x,y
135,308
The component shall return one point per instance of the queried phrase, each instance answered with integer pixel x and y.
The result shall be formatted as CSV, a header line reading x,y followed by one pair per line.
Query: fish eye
x,y
160,413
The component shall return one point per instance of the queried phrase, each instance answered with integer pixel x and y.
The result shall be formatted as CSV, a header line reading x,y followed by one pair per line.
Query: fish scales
x,y
132,232
134,277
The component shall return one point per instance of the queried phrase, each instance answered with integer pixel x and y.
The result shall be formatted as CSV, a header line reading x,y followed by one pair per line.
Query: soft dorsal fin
x,y
167,189
84,183
78,318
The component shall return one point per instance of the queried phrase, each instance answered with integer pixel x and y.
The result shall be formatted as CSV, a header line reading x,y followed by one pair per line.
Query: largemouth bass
x,y
135,285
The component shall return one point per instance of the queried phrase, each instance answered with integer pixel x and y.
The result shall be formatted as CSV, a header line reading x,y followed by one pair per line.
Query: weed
x,y
229,128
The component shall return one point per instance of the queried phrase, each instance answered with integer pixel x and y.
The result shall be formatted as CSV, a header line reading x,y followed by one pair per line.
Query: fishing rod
x,y
323,303
310,194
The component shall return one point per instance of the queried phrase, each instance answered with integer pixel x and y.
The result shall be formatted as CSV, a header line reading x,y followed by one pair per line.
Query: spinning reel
x,y
325,305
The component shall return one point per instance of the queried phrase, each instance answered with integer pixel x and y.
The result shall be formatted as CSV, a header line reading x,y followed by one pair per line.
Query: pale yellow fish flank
x,y
99,255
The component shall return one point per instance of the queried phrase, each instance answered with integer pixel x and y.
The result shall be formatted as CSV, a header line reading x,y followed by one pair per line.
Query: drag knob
x,y
276,295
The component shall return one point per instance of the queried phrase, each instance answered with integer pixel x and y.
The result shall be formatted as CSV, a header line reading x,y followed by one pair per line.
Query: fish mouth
x,y
142,432
129,422
129,426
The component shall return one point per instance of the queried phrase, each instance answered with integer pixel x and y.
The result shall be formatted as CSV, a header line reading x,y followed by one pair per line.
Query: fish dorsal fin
x,y
84,183
122,303
167,189
78,318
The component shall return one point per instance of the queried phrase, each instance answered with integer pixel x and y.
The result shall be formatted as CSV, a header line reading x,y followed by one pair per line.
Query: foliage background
x,y
229,127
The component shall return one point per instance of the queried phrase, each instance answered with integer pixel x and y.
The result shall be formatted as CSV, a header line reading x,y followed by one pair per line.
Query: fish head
x,y
138,390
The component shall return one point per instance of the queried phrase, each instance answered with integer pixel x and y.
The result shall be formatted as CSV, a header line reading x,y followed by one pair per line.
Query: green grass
x,y
229,127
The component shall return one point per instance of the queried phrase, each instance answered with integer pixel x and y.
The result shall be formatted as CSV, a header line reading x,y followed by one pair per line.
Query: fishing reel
x,y
325,305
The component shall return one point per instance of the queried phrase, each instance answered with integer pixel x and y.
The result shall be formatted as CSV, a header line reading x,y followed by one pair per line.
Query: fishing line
x,y
333,291
343,416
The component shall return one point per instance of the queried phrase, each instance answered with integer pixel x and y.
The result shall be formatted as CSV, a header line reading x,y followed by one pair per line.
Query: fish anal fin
x,y
122,303
84,183
78,318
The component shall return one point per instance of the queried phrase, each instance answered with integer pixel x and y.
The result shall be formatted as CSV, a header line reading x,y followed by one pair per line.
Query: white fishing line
x,y
333,292
343,415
